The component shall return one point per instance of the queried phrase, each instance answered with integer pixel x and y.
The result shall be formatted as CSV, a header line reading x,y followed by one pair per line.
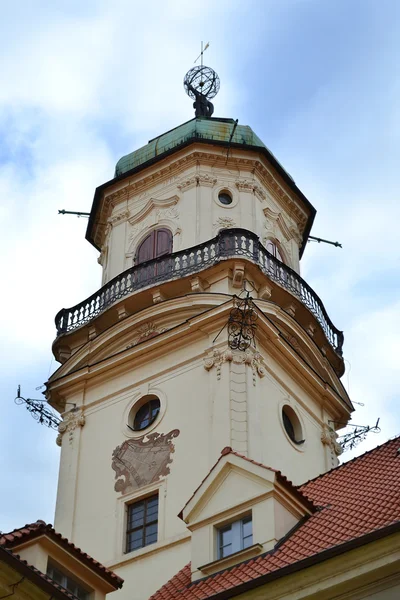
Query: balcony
x,y
228,244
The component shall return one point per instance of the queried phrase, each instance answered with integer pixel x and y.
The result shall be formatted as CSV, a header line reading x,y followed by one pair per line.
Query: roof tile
x,y
356,498
32,530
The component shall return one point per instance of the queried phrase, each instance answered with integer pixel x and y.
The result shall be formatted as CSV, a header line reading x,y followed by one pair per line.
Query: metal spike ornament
x,y
242,324
201,84
39,410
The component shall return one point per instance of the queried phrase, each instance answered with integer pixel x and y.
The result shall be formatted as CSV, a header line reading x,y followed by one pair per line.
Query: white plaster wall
x,y
90,511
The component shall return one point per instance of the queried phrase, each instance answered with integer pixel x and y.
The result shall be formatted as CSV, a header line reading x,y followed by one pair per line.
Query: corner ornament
x,y
217,357
328,438
72,419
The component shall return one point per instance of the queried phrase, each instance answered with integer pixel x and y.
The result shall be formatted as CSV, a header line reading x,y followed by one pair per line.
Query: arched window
x,y
273,249
157,243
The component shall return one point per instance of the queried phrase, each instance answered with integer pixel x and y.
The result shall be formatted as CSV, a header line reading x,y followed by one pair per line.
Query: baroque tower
x,y
200,235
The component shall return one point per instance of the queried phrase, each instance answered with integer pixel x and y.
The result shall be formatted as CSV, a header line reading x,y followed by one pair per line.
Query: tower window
x,y
225,198
235,537
66,581
144,413
142,523
274,250
157,243
292,425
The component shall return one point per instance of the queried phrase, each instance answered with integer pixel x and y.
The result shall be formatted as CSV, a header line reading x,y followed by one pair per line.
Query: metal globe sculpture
x,y
202,79
201,84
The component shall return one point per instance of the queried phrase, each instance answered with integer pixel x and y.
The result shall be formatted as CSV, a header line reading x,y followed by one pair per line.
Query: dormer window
x,y
67,582
235,537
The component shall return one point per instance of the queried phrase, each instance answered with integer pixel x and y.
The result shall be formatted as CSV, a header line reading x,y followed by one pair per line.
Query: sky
x,y
83,83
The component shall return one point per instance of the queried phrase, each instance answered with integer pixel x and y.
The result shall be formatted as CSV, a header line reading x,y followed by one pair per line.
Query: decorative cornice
x,y
73,419
217,357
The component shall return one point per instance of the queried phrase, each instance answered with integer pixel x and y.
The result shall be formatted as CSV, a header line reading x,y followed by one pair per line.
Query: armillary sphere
x,y
201,80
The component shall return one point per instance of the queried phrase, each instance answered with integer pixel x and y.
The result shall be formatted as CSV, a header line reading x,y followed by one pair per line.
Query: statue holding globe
x,y
201,84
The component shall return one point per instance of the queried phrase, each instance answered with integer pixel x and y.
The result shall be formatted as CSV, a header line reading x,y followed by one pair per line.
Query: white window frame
x,y
237,536
67,582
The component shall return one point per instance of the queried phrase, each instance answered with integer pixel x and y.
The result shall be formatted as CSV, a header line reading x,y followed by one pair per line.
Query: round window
x,y
225,198
292,425
146,414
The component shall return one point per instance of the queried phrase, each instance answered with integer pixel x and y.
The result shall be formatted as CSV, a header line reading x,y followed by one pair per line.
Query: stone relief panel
x,y
142,461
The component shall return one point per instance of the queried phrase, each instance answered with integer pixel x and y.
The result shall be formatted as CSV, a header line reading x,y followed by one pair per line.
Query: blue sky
x,y
83,83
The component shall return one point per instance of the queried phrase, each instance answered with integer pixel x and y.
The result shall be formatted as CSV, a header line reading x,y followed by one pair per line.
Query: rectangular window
x,y
67,582
142,523
235,536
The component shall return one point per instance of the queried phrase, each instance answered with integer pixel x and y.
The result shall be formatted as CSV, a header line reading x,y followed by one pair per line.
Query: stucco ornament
x,y
244,185
71,420
140,462
329,438
159,217
146,331
123,215
201,179
224,223
217,357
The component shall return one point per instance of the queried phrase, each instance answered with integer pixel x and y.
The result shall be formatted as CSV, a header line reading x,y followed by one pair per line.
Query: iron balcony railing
x,y
229,243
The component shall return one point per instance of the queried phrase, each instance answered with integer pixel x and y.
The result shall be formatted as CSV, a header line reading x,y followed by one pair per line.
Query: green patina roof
x,y
204,128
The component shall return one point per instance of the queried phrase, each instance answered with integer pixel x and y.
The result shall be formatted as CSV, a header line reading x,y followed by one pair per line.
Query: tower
x,y
200,235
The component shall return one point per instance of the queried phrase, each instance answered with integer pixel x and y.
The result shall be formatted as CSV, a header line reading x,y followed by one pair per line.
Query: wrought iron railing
x,y
229,243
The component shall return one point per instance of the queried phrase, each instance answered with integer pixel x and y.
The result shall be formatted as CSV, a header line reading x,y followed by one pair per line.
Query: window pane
x,y
248,541
247,527
226,550
151,534
225,536
143,520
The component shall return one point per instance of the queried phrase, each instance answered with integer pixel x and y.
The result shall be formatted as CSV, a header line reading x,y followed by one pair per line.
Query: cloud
x,y
85,83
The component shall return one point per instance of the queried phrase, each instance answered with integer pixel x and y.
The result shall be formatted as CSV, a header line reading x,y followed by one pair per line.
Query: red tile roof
x,y
42,580
358,500
33,530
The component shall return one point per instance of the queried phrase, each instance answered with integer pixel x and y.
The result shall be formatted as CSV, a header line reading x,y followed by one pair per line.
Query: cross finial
x,y
202,52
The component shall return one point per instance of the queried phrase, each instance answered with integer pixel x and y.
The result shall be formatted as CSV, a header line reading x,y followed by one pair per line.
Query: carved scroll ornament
x,y
250,357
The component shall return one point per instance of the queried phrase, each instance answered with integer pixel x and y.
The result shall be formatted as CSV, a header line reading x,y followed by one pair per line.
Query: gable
x,y
234,487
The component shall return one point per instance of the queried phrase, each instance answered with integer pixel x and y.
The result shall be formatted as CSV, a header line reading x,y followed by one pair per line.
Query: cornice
x,y
215,310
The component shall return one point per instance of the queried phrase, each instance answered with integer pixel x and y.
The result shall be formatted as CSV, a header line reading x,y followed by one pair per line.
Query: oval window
x,y
292,425
225,198
145,414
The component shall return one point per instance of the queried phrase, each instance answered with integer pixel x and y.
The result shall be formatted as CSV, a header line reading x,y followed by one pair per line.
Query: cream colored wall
x,y
197,215
199,404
